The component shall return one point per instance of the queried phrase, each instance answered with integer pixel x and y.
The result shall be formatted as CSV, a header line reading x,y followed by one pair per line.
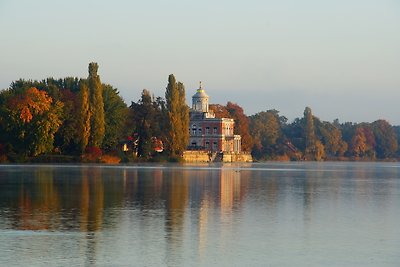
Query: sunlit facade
x,y
209,133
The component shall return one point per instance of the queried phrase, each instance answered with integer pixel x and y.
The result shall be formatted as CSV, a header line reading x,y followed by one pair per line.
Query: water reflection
x,y
192,213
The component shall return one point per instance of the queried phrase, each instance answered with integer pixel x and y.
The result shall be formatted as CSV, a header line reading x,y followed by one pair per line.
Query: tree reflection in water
x,y
178,214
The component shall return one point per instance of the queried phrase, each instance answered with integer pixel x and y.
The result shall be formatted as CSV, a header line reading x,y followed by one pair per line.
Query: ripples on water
x,y
275,214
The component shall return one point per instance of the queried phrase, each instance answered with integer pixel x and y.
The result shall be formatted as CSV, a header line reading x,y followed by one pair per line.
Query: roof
x,y
200,94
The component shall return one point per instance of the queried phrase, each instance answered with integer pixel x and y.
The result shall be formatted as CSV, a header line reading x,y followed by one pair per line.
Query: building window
x,y
207,145
200,131
215,130
207,130
194,144
215,145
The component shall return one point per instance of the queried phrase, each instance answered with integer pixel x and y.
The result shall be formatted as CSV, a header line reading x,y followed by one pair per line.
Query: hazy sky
x,y
340,57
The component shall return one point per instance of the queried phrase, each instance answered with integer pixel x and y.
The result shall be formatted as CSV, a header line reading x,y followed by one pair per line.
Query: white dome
x,y
200,94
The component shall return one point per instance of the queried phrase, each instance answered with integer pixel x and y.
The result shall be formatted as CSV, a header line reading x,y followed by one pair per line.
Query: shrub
x,y
92,154
109,159
3,156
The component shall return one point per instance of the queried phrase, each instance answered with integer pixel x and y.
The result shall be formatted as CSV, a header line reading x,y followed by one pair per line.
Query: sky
x,y
339,57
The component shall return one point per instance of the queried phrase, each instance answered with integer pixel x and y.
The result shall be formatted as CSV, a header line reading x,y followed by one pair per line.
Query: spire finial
x,y
201,87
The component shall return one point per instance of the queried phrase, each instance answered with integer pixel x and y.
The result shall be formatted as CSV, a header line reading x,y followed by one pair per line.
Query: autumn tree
x,y
265,128
178,117
294,134
219,110
386,139
358,143
241,125
148,119
97,121
332,139
63,90
313,145
370,140
84,126
33,118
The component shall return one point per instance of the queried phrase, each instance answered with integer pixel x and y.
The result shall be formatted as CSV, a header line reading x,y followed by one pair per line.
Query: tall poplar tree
x,y
184,116
309,134
314,149
84,115
97,121
178,117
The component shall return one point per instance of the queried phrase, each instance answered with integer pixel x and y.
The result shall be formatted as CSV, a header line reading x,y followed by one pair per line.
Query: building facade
x,y
209,133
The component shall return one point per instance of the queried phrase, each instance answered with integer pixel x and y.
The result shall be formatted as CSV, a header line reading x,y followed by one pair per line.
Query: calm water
x,y
289,214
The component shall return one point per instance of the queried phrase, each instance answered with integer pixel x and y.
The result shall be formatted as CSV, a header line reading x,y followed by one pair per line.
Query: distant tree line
x,y
269,136
86,120
309,138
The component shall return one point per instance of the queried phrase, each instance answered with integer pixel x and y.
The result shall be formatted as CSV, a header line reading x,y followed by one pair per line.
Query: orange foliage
x,y
282,158
32,102
92,154
220,111
110,159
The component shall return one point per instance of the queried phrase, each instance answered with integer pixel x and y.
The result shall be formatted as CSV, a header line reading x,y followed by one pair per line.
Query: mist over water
x,y
273,214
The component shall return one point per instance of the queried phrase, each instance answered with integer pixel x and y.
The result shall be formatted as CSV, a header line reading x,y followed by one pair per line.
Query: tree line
x,y
86,120
269,136
309,138
76,119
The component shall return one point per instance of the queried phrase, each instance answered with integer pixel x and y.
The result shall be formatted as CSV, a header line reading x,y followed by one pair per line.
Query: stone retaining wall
x,y
204,156
196,156
237,157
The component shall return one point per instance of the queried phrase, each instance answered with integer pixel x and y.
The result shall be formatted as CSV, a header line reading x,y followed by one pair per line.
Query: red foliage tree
x,y
241,124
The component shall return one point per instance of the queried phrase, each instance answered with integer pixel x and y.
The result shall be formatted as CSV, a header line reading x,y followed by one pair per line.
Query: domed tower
x,y
200,100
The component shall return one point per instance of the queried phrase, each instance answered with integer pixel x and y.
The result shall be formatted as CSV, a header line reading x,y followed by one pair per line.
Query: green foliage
x,y
84,127
309,134
149,119
116,114
83,116
265,128
144,115
30,120
97,121
295,133
386,139
52,118
332,139
66,138
184,118
178,117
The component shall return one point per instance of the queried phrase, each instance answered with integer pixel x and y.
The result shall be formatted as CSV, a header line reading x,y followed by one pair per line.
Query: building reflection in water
x,y
177,191
221,191
183,209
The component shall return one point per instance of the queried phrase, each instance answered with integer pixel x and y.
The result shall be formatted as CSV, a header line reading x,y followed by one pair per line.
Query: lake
x,y
258,214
